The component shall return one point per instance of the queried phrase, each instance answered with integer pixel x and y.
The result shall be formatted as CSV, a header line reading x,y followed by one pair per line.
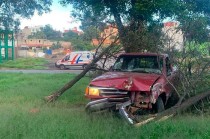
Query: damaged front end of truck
x,y
129,96
135,86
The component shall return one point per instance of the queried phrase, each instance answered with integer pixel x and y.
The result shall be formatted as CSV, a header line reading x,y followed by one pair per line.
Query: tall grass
x,y
25,115
25,63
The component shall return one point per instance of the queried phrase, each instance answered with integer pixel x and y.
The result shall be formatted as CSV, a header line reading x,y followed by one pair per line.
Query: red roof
x,y
73,30
169,24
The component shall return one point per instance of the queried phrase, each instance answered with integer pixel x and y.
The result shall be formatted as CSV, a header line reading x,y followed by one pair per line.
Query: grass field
x,y
25,115
25,63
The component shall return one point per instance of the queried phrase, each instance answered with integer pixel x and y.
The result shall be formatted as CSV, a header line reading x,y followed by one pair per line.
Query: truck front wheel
x,y
62,67
159,105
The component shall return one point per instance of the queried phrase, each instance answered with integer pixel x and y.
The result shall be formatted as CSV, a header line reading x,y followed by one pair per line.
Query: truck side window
x,y
160,59
131,64
118,64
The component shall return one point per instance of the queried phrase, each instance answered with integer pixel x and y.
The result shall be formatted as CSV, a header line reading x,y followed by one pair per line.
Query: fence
x,y
6,45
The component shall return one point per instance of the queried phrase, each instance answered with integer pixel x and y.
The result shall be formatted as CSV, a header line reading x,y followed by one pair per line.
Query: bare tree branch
x,y
176,109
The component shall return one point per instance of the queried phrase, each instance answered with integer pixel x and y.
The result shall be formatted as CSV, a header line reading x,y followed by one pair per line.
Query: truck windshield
x,y
143,64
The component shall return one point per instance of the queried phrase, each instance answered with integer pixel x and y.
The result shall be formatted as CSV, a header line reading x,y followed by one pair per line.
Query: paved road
x,y
40,71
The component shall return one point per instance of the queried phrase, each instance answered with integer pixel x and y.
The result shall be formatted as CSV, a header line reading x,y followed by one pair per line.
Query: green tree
x,y
78,42
81,45
195,28
56,45
37,35
46,32
70,35
50,33
135,17
11,10
90,33
92,26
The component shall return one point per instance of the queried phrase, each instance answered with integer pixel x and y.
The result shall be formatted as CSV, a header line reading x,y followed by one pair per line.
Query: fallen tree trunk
x,y
54,96
177,108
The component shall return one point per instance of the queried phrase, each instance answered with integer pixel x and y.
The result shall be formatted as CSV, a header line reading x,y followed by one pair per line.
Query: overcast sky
x,y
59,18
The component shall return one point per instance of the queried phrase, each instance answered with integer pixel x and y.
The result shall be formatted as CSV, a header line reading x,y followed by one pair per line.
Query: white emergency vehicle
x,y
77,59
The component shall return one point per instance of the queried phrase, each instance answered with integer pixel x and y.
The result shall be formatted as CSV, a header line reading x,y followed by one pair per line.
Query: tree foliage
x,y
46,32
50,33
56,45
12,10
195,28
37,35
139,17
78,42
90,33
70,35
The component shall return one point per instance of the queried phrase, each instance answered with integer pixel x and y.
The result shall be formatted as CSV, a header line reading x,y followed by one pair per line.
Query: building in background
x,y
107,36
38,43
171,32
23,41
75,30
24,33
173,36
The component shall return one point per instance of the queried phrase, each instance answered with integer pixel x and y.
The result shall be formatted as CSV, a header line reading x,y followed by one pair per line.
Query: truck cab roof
x,y
144,54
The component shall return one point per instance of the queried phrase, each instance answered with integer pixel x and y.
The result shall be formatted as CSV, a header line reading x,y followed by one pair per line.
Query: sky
x,y
59,18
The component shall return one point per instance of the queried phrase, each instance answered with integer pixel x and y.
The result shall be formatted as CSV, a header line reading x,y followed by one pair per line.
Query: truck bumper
x,y
106,103
56,65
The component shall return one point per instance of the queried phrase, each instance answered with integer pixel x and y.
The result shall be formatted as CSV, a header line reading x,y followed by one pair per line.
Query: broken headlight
x,y
92,91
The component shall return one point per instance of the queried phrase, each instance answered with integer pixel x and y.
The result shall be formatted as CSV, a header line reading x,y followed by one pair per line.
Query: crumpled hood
x,y
126,81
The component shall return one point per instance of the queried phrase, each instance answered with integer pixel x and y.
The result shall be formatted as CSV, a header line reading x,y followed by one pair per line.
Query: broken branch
x,y
176,109
54,96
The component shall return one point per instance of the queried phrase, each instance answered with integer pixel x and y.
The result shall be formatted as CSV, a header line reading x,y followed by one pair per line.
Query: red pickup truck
x,y
137,82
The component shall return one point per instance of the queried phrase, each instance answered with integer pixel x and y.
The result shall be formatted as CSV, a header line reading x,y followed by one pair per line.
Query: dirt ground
x,y
51,61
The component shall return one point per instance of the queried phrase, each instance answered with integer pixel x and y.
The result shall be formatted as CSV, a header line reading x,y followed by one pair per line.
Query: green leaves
x,y
195,28
138,21
11,10
46,32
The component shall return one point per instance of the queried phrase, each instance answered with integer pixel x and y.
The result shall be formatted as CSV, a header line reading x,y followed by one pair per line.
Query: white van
x,y
78,59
